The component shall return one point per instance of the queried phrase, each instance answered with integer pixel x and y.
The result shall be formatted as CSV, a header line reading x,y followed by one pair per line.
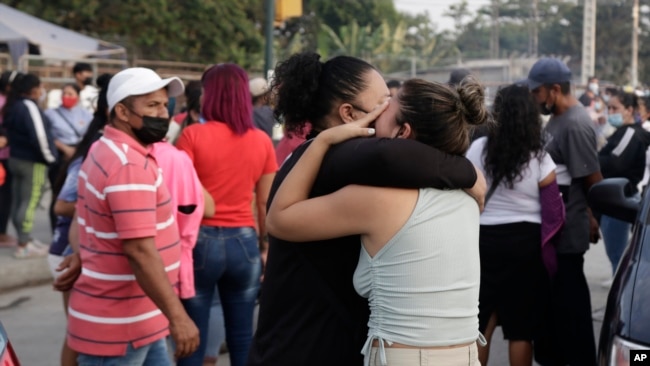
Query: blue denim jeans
x,y
616,234
216,330
154,354
229,259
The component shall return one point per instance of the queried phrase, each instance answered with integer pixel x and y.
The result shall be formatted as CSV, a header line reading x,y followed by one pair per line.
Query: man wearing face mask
x,y
83,76
568,338
589,96
128,236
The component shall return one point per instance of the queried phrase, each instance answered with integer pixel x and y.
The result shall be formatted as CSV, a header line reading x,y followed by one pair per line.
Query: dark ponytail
x,y
20,88
307,90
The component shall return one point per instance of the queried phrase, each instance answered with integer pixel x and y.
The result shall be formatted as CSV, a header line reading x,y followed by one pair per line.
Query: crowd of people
x,y
395,223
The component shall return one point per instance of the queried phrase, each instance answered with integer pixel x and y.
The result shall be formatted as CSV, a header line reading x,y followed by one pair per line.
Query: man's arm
x,y
71,264
151,276
589,181
397,163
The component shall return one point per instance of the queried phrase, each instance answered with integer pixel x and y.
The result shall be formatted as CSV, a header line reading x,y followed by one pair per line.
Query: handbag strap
x,y
69,123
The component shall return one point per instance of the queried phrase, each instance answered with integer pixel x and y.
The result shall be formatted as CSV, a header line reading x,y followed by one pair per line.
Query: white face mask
x,y
593,87
597,106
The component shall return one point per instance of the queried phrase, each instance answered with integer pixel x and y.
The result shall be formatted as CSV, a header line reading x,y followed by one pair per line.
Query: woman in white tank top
x,y
419,264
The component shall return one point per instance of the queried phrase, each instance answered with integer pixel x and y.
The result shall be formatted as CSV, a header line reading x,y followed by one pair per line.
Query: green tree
x,y
340,13
207,31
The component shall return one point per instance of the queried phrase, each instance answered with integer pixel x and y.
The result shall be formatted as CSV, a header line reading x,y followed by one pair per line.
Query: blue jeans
x,y
616,234
229,259
153,354
216,330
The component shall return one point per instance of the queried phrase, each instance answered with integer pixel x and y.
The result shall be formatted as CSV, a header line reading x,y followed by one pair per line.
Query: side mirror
x,y
609,197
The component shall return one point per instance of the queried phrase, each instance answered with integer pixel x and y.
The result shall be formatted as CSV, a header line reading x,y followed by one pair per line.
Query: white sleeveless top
x,y
423,285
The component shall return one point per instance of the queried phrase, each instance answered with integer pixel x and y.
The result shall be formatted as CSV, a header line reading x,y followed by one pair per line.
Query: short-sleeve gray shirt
x,y
571,142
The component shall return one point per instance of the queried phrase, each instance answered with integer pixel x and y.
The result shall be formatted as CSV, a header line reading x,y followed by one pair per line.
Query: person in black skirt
x,y
517,170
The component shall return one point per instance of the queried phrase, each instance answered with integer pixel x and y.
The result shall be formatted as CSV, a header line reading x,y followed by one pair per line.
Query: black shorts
x,y
512,279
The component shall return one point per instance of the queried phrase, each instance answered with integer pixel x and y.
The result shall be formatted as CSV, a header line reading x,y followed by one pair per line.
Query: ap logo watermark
x,y
640,357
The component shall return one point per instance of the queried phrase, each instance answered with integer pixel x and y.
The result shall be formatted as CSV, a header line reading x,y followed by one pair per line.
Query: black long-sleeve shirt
x,y
624,154
29,133
310,313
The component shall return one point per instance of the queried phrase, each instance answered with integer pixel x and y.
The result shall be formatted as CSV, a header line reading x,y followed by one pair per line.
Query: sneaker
x,y
30,251
40,244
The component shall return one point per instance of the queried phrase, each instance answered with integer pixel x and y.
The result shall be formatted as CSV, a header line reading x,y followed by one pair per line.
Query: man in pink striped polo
x,y
125,301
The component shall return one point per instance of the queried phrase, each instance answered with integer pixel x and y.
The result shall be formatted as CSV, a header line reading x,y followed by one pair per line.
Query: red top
x,y
229,167
121,196
289,142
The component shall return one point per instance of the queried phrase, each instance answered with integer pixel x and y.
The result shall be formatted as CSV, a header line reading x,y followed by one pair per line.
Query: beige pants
x,y
460,356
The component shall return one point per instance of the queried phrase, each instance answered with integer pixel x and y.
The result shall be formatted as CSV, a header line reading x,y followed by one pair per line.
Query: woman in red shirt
x,y
233,160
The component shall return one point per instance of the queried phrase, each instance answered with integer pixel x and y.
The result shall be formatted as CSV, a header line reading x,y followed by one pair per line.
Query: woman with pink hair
x,y
233,160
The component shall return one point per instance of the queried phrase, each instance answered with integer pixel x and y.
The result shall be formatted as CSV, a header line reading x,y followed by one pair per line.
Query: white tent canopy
x,y
18,30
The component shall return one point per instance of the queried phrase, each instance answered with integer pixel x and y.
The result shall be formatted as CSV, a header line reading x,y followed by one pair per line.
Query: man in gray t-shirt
x,y
571,142
568,334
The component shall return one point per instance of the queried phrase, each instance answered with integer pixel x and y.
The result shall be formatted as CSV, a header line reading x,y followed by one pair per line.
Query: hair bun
x,y
472,101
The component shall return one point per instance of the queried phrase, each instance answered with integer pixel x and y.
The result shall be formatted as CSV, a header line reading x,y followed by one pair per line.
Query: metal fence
x,y
55,72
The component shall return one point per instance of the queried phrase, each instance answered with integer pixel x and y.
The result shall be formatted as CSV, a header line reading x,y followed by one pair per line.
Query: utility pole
x,y
588,41
533,37
413,66
494,35
635,45
268,28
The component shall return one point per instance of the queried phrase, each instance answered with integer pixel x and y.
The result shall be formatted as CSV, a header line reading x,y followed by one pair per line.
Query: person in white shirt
x,y
83,75
517,168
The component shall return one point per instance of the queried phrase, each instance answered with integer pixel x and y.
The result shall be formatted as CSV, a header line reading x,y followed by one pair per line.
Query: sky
x,y
436,8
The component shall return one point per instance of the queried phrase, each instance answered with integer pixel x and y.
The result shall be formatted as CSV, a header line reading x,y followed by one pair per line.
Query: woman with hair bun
x,y
419,260
310,312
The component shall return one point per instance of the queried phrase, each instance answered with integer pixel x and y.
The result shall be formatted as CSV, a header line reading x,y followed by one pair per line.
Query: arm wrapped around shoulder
x,y
399,163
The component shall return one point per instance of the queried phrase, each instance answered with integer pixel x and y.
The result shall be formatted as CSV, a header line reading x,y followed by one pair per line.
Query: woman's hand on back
x,y
346,131
479,190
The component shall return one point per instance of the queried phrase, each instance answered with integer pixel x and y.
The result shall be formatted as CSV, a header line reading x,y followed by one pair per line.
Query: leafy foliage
x,y
559,25
211,31
206,31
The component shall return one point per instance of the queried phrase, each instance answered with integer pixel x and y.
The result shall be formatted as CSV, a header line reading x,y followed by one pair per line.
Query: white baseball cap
x,y
258,86
139,81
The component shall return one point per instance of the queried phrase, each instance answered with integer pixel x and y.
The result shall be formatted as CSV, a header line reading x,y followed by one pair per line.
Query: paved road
x,y
34,317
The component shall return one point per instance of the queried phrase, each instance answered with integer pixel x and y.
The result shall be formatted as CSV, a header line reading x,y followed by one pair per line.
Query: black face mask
x,y
546,110
88,81
154,129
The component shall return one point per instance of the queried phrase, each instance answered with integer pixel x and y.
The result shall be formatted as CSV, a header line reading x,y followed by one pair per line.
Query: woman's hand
x,y
346,131
479,190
